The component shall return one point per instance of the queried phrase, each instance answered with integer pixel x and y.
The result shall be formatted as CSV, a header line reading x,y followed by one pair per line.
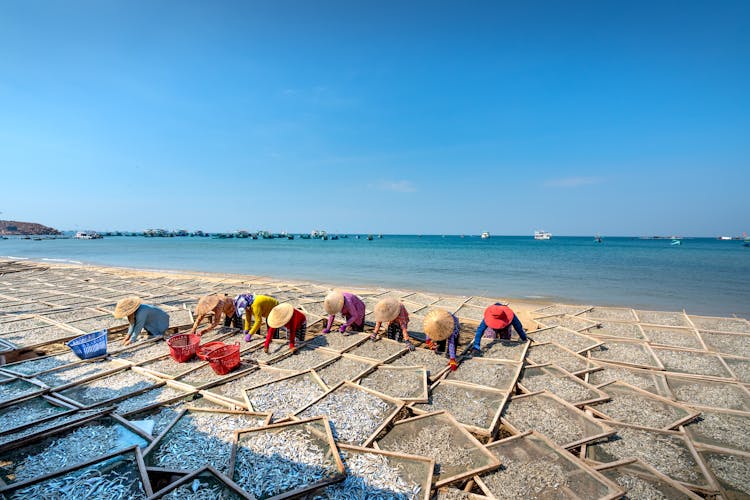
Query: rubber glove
x,y
374,337
247,336
409,345
326,330
342,329
453,365
431,345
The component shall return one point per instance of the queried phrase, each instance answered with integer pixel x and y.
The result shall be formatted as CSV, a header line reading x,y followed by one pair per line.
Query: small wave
x,y
63,260
16,258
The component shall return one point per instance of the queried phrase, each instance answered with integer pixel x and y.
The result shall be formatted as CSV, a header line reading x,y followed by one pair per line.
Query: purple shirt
x,y
353,311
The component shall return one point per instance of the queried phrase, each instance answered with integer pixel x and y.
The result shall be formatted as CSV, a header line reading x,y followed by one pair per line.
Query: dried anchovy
x,y
640,487
156,395
731,470
171,368
571,322
613,329
199,439
672,337
726,429
572,340
270,463
452,494
161,417
16,389
37,365
692,362
438,442
663,318
342,369
533,478
665,452
402,384
431,361
470,406
304,360
234,388
85,443
25,412
77,372
275,349
354,414
497,375
633,354
728,396
503,349
642,380
336,340
52,423
547,417
145,353
609,313
550,353
197,490
106,388
727,343
378,350
733,325
635,408
371,476
564,387
740,367
286,396
122,482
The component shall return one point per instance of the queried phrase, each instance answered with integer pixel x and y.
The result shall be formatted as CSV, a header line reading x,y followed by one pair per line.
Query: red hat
x,y
498,317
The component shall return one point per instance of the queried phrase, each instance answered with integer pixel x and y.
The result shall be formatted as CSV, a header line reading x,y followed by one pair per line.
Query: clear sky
x,y
578,117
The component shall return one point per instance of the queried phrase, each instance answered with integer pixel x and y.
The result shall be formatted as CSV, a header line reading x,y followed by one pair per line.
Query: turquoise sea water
x,y
703,276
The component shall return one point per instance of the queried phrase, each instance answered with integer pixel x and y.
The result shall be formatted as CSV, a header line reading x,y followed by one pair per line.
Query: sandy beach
x,y
626,398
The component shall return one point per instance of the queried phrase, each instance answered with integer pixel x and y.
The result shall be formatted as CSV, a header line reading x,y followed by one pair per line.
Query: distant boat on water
x,y
597,239
88,235
485,235
542,235
675,242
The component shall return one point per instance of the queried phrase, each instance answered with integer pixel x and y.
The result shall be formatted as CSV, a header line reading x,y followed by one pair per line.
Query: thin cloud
x,y
572,182
396,186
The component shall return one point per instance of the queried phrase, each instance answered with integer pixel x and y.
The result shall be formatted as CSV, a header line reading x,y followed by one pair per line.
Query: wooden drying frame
x,y
657,475
697,439
340,475
576,380
691,414
188,478
681,377
563,454
352,357
422,398
696,351
51,400
495,463
658,367
608,431
525,350
334,356
399,405
664,389
359,342
167,383
41,390
591,365
111,401
518,365
311,373
572,332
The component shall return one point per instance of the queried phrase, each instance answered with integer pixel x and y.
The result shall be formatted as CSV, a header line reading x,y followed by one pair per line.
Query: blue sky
x,y
611,117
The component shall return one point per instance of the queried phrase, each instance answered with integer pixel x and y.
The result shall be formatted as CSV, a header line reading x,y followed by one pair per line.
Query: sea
x,y
703,276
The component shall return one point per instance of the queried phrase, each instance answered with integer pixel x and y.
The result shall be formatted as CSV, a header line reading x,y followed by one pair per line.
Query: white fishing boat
x,y
542,235
485,235
88,235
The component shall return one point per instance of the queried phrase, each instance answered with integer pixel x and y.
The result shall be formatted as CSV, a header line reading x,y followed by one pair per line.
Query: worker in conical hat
x,y
441,328
141,317
253,308
350,306
294,320
394,314
219,305
498,319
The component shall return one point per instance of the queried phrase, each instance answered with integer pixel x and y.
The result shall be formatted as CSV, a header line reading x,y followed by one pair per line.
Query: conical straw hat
x,y
334,302
438,324
280,315
207,304
387,309
127,306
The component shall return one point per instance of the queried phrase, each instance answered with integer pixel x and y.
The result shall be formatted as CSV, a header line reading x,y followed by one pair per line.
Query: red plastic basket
x,y
202,351
182,347
224,359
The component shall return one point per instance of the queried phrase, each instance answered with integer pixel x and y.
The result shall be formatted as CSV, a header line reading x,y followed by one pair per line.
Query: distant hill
x,y
11,227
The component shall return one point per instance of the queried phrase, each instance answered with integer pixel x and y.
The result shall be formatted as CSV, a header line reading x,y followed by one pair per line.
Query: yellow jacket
x,y
262,305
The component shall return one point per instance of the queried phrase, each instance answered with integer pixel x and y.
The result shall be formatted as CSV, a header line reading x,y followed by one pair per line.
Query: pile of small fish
x,y
545,416
49,424
433,362
201,438
197,490
378,350
342,369
106,388
234,388
286,396
85,443
437,441
354,414
74,373
157,395
141,354
533,478
470,406
120,483
31,410
16,389
407,384
497,375
304,359
563,387
270,463
39,365
371,476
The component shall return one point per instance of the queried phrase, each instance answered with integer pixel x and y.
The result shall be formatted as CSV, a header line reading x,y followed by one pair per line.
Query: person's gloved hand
x,y
374,337
247,336
477,353
431,345
409,345
453,365
294,350
265,350
342,329
326,330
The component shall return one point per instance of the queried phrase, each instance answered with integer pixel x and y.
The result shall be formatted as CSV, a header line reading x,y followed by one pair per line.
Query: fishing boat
x,y
675,242
485,235
88,235
597,239
542,235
